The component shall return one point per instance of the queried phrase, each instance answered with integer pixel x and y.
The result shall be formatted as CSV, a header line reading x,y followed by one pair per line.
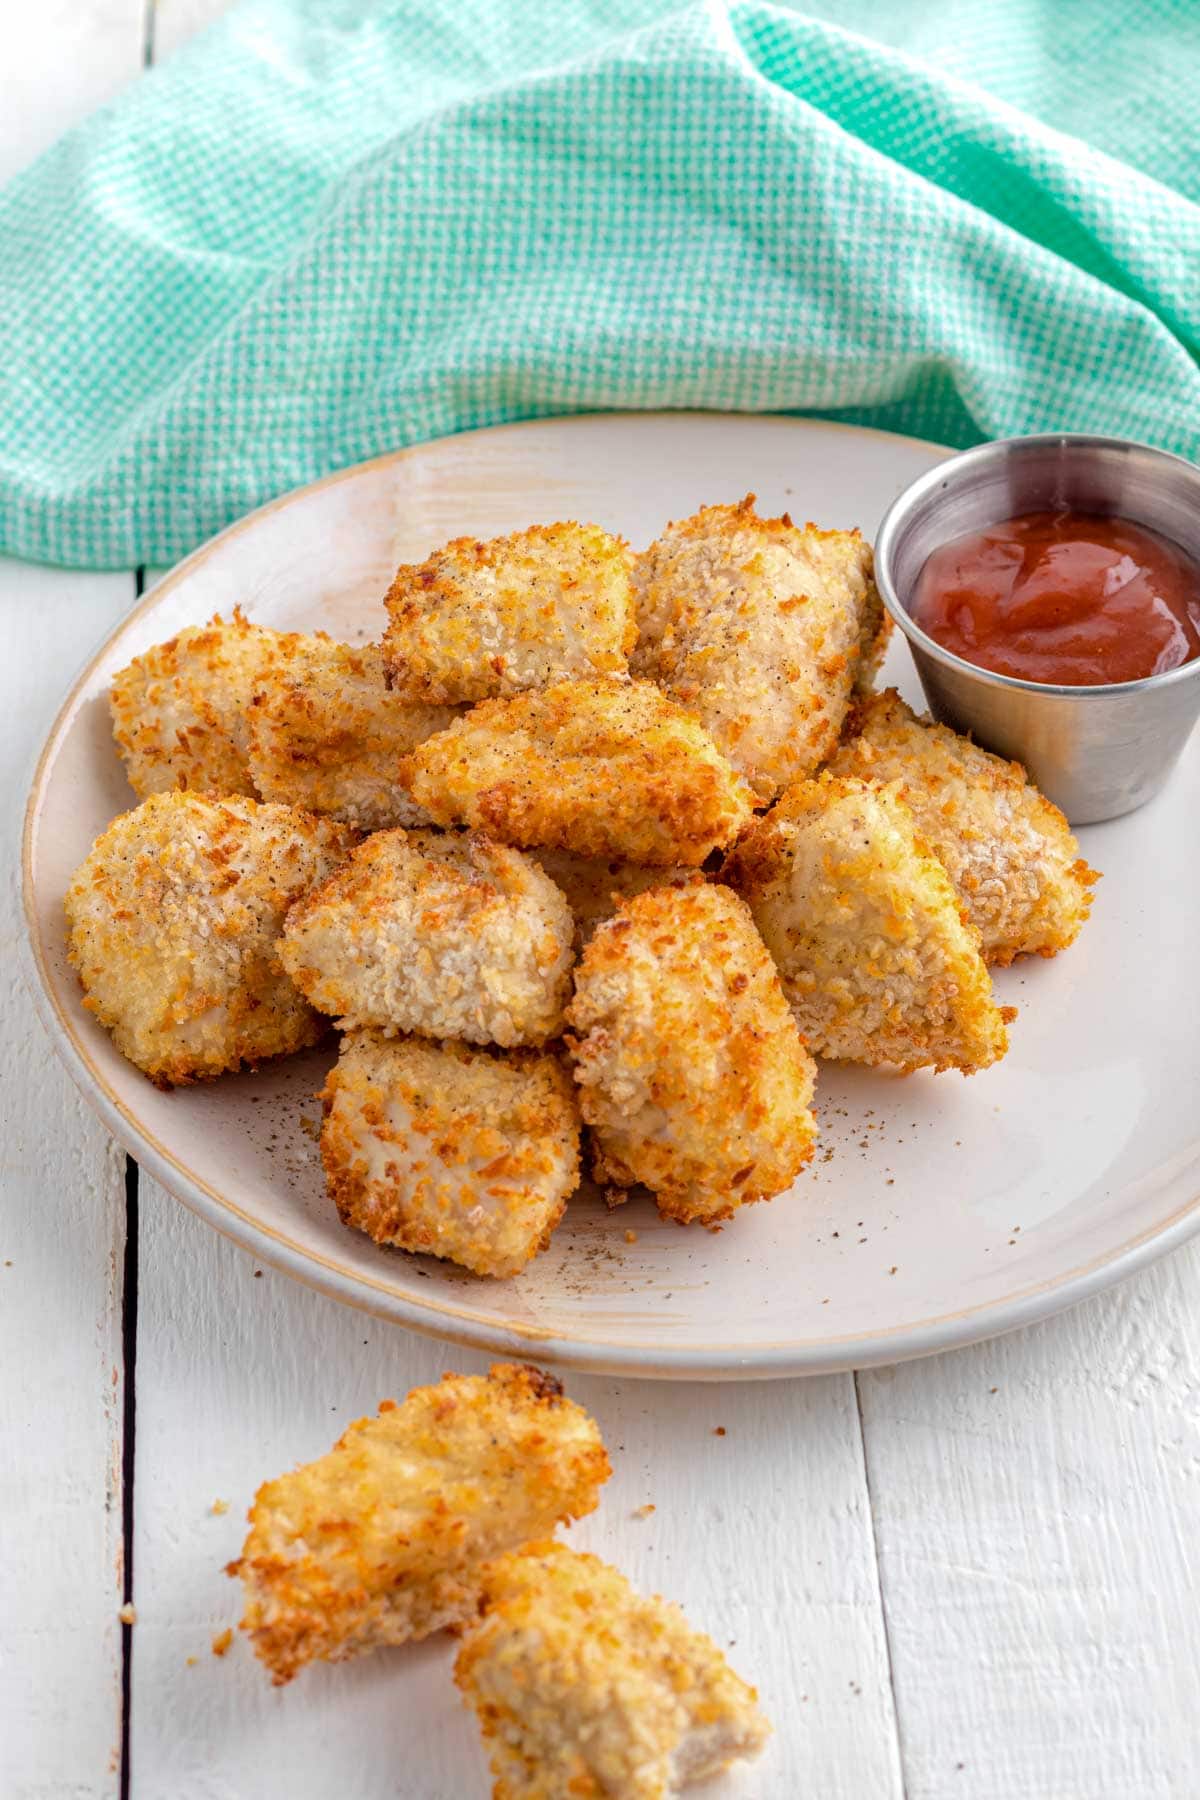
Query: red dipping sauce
x,y
1063,598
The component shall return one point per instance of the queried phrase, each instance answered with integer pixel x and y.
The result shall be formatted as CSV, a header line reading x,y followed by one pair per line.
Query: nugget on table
x,y
692,1074
582,1686
180,711
603,768
383,1539
326,734
867,932
175,917
481,618
761,628
1006,848
445,934
453,1151
595,885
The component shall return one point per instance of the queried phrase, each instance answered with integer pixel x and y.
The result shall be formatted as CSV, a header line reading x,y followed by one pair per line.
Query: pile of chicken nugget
x,y
588,858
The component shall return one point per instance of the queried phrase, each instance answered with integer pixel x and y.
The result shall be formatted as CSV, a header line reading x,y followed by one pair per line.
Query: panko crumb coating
x,y
585,1688
325,733
180,710
692,1074
383,1539
1006,848
444,934
479,619
603,768
450,1151
760,628
595,885
175,917
876,956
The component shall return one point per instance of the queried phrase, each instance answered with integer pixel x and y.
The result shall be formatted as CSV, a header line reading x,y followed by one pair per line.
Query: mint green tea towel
x,y
329,228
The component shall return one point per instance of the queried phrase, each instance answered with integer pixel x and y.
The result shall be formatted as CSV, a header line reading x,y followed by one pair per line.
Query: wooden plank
x,y
61,1243
762,1534
1037,1504
61,61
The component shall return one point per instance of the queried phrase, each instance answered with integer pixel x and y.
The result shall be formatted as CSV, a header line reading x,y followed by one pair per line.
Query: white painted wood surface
x,y
1002,1539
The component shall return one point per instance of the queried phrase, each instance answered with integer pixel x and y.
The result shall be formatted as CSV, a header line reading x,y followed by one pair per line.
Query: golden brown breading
x,y
478,619
326,734
760,629
1007,850
444,934
877,961
584,1687
383,1539
595,885
604,768
693,1076
451,1151
180,710
175,918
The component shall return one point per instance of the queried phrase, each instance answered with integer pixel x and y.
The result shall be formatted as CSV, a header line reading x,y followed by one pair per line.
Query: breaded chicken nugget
x,y
175,918
180,710
383,1539
595,885
447,935
326,734
760,629
604,768
481,619
692,1074
1007,850
876,959
583,1686
451,1151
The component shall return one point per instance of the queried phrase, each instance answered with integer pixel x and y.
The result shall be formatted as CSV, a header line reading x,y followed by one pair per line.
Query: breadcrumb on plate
x,y
384,1538
595,885
455,1152
180,711
444,934
603,768
876,958
584,1687
478,619
326,734
1006,848
759,627
175,917
692,1074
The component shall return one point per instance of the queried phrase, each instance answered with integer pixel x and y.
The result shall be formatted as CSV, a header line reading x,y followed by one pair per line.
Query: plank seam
x,y
879,1586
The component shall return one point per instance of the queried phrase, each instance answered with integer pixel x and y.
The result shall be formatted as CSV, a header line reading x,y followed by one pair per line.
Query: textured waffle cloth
x,y
328,228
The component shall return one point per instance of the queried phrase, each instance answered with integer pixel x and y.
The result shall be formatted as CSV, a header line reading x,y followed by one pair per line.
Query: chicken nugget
x,y
451,1151
760,628
180,710
444,934
582,1686
603,768
326,734
175,918
595,885
383,1539
692,1074
1006,848
479,619
876,958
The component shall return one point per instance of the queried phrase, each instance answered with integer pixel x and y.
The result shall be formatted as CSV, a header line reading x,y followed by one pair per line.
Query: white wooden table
x,y
973,1577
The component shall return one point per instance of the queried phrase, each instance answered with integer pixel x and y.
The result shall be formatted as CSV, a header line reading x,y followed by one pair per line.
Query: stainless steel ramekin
x,y
1096,752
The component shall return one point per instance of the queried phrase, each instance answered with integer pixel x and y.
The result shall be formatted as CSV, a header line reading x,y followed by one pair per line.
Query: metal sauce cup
x,y
1096,752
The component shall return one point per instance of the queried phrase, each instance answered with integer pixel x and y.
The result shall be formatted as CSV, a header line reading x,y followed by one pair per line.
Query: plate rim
x,y
438,1318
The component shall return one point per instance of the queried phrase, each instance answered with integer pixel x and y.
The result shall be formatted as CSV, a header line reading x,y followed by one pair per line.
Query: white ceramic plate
x,y
938,1210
